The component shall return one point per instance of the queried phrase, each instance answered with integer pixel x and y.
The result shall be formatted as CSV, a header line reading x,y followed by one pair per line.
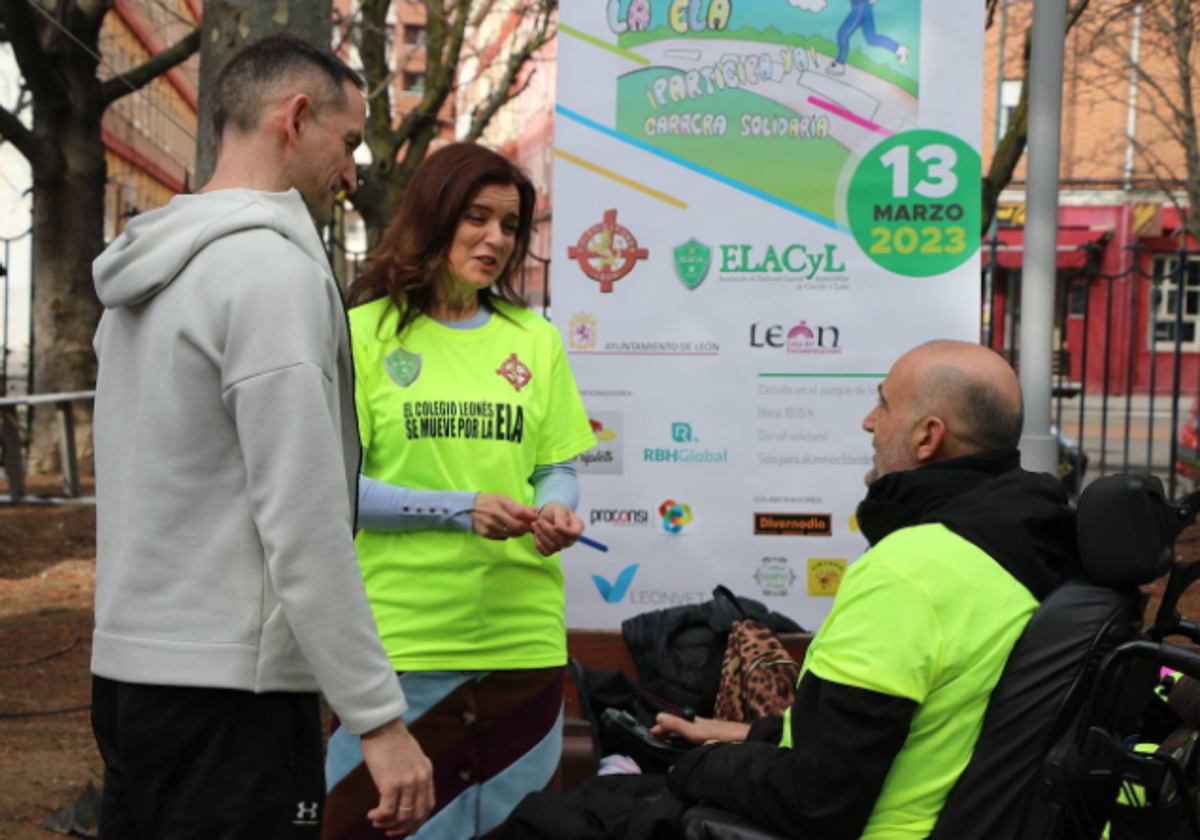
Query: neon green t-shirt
x,y
473,410
927,616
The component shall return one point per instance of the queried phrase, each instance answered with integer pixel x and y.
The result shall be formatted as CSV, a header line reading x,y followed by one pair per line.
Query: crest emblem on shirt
x,y
515,371
403,367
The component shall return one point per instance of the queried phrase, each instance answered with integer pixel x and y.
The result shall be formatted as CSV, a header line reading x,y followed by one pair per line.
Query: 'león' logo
x,y
674,516
692,261
613,592
607,252
582,334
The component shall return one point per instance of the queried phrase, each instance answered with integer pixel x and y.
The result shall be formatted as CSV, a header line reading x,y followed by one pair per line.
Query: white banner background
x,y
705,425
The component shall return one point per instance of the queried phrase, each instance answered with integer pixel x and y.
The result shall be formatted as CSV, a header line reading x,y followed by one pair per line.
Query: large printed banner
x,y
759,205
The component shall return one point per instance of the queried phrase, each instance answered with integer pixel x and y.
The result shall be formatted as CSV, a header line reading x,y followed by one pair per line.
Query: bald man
x,y
892,695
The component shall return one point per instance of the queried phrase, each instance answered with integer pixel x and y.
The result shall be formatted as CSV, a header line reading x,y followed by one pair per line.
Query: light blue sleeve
x,y
555,483
387,507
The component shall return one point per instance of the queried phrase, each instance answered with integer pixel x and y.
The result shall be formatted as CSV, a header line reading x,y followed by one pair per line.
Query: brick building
x,y
149,151
149,136
1122,171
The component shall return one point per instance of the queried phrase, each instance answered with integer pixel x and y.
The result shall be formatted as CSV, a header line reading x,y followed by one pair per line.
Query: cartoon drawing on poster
x,y
742,88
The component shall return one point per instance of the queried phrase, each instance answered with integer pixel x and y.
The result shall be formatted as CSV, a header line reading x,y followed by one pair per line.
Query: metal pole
x,y
1038,448
989,276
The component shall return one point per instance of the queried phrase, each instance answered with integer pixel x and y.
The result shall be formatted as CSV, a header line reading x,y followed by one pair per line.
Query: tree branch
x,y
21,28
504,92
443,50
142,75
23,139
1011,147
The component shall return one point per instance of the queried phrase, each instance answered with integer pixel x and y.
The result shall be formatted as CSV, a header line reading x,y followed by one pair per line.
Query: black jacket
x,y
845,738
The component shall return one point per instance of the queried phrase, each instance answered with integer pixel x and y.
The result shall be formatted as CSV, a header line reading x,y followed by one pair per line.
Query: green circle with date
x,y
914,203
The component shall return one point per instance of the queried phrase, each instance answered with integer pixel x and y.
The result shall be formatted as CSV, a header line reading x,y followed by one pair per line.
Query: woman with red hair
x,y
468,414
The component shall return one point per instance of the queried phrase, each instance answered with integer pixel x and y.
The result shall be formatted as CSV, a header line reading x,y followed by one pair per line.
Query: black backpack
x,y
679,651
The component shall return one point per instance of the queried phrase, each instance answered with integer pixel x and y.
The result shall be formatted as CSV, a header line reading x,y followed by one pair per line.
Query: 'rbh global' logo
x,y
607,252
801,339
688,452
674,516
607,457
581,332
825,577
793,524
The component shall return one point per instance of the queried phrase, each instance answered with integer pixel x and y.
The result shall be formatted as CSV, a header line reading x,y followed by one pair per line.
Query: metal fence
x,y
1126,372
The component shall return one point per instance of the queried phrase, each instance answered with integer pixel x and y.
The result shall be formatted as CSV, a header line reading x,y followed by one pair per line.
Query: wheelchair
x,y
1075,745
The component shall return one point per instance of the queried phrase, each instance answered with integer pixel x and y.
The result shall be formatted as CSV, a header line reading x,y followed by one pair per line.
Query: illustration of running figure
x,y
862,16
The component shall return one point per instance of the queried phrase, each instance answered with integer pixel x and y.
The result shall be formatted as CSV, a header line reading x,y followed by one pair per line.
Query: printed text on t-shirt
x,y
464,420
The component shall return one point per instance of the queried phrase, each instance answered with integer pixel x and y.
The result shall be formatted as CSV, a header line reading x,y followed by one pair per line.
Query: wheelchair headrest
x,y
1127,530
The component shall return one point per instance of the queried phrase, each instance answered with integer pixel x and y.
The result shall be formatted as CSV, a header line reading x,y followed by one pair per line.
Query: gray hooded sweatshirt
x,y
227,456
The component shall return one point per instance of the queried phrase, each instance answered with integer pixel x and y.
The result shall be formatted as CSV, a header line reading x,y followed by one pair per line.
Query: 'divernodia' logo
x,y
687,450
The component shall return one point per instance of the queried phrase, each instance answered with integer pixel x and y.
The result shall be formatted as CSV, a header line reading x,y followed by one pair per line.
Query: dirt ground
x,y
47,573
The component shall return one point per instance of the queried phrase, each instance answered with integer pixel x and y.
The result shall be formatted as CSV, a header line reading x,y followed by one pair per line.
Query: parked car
x,y
1187,462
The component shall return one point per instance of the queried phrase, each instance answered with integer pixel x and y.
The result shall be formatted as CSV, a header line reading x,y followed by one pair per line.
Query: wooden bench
x,y
605,650
10,440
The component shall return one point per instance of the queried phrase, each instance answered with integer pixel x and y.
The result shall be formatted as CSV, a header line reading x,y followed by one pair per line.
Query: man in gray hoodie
x,y
227,454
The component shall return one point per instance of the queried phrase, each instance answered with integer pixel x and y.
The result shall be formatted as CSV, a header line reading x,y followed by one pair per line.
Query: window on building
x,y
1076,289
414,36
1165,303
414,83
1010,97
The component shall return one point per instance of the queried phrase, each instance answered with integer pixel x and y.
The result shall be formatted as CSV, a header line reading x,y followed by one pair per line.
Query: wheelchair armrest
x,y
704,823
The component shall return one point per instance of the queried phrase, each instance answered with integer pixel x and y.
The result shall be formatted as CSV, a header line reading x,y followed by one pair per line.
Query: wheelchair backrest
x,y
1125,532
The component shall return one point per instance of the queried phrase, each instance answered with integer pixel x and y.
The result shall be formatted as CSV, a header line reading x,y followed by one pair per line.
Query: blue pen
x,y
593,544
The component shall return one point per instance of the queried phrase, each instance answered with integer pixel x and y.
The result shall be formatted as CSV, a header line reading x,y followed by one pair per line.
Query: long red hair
x,y
407,264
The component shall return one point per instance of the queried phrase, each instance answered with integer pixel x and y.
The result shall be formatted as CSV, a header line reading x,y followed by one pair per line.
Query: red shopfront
x,y
1107,257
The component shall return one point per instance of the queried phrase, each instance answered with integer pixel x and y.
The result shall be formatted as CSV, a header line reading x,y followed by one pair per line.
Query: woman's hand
x,y
497,517
557,528
701,730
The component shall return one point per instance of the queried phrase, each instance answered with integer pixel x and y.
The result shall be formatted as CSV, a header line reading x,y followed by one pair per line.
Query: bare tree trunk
x,y
69,233
56,54
231,24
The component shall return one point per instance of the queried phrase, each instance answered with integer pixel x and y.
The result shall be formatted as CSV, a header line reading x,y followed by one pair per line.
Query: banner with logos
x,y
759,205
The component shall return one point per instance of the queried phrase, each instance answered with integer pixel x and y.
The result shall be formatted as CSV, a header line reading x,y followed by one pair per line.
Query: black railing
x,y
1098,331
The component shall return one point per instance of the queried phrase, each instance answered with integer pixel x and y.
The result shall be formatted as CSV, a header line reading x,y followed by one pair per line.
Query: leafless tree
x,y
56,45
1144,55
1011,147
398,142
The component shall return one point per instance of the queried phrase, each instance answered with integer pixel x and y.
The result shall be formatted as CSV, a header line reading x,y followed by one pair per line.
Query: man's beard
x,y
895,458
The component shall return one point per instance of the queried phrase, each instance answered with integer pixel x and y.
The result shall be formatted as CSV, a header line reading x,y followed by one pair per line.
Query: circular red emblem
x,y
607,252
